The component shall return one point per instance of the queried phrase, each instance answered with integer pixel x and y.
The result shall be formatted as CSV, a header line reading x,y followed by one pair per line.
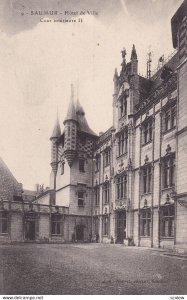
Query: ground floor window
x,y
105,225
3,222
145,222
167,221
56,224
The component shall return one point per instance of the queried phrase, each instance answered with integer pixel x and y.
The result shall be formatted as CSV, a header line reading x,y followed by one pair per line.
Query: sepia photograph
x,y
93,148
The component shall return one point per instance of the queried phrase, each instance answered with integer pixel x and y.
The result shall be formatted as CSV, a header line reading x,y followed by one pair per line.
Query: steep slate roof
x,y
77,113
148,86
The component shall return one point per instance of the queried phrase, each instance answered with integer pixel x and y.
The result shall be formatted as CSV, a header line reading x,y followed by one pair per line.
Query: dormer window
x,y
147,131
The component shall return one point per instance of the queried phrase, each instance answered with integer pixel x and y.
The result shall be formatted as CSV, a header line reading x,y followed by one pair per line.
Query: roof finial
x,y
133,53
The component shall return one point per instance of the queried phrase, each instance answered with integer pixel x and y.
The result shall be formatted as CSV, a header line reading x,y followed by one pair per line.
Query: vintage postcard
x,y
93,148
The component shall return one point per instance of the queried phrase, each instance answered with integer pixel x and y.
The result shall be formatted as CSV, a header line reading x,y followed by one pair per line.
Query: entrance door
x,y
121,226
80,233
30,230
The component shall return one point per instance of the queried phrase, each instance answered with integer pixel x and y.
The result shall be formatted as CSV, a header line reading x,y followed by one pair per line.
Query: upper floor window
x,y
167,214
147,131
80,199
147,178
97,163
96,195
145,222
168,166
169,118
123,107
3,222
56,220
106,192
81,165
107,157
122,143
121,187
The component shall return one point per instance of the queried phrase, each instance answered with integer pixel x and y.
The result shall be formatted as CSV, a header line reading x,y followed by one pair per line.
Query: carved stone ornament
x,y
168,149
146,159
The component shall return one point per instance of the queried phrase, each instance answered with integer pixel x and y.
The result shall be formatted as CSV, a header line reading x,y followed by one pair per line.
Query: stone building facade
x,y
128,185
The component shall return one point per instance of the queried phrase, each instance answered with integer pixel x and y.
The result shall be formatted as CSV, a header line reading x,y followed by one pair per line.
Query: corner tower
x,y
54,151
70,131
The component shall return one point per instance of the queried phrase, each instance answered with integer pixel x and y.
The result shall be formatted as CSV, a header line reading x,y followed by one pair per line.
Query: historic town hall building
x,y
128,185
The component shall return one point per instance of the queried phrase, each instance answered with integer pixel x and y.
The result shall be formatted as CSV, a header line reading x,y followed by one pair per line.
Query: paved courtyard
x,y
89,269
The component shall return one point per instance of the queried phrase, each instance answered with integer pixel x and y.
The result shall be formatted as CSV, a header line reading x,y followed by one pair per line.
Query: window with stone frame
x,y
97,163
123,104
3,222
106,192
105,225
145,222
169,117
82,165
147,179
56,224
107,157
80,199
96,192
122,143
168,171
167,217
147,131
121,186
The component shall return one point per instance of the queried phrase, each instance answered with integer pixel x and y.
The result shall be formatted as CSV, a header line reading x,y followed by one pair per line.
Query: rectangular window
x,y
147,132
168,171
97,163
167,221
123,143
105,225
3,222
97,195
147,179
121,187
81,165
145,222
106,193
169,118
56,224
80,199
107,157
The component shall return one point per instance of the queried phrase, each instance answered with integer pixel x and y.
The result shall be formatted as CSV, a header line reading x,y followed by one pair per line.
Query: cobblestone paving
x,y
41,269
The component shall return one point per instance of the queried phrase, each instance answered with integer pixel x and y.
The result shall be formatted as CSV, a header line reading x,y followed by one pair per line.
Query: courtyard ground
x,y
42,269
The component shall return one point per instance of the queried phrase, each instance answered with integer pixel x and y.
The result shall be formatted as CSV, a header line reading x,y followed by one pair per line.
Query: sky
x,y
40,60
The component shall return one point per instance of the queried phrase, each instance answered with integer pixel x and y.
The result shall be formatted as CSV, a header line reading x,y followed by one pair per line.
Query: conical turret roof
x,y
83,124
56,130
71,114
